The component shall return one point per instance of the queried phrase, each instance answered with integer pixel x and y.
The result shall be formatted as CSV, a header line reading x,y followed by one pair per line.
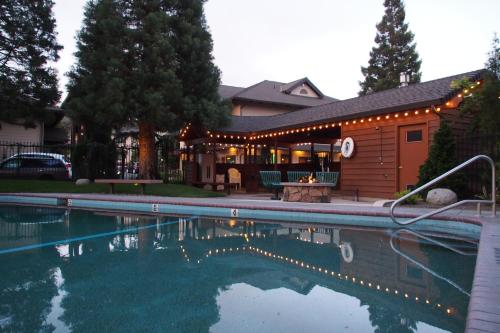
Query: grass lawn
x,y
53,186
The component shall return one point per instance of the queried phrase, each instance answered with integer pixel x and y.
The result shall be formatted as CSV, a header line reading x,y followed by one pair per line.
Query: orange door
x,y
413,151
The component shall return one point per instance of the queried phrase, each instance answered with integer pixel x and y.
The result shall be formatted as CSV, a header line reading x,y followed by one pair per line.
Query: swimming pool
x,y
81,271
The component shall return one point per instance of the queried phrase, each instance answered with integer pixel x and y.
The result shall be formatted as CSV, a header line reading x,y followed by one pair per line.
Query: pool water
x,y
85,271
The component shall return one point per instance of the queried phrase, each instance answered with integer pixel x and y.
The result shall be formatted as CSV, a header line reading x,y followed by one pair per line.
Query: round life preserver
x,y
347,148
347,252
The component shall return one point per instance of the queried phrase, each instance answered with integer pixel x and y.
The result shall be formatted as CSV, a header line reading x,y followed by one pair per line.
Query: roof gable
x,y
289,87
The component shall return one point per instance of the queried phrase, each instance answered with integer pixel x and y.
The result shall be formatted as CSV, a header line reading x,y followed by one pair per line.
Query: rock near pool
x,y
82,181
441,196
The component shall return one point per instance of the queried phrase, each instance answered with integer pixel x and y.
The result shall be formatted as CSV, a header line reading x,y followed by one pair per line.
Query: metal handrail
x,y
456,204
424,267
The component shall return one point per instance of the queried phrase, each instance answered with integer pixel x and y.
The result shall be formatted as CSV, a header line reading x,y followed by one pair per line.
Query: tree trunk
x,y
147,151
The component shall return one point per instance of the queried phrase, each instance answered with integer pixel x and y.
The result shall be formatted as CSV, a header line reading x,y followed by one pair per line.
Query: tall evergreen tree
x,y
395,52
153,89
96,88
28,84
200,77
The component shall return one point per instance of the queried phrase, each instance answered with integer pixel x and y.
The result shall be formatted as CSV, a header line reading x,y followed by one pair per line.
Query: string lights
x,y
324,271
448,104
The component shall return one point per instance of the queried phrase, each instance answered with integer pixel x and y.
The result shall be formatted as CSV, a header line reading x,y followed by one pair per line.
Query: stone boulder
x,y
82,181
441,197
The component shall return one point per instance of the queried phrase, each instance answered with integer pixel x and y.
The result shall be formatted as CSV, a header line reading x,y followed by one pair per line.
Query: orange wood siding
x,y
373,169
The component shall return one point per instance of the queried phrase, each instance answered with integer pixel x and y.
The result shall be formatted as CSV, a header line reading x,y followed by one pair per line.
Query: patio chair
x,y
294,176
271,180
234,177
327,177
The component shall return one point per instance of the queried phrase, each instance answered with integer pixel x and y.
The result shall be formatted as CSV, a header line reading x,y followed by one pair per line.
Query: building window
x,y
414,136
231,159
303,92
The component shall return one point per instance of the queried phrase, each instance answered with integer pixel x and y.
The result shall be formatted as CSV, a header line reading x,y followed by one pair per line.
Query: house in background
x,y
259,101
391,132
52,132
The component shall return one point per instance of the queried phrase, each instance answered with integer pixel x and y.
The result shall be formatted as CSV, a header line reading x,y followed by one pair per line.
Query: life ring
x,y
347,148
347,252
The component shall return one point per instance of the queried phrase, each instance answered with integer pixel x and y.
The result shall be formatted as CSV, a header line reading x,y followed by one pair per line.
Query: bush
x,y
411,200
442,157
94,160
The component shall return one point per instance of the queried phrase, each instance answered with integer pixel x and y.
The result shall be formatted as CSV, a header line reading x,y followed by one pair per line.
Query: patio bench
x,y
294,176
327,177
141,182
272,181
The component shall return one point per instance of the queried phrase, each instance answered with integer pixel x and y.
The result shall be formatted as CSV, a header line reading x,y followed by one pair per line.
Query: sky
x,y
325,40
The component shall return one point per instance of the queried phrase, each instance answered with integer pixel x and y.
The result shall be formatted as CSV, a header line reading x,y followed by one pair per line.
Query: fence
x,y
478,174
85,160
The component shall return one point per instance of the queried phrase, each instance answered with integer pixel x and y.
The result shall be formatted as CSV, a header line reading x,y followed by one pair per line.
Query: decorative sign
x,y
235,212
347,252
347,148
70,202
155,207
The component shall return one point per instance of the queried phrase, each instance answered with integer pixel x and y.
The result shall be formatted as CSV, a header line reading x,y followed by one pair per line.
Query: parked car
x,y
36,165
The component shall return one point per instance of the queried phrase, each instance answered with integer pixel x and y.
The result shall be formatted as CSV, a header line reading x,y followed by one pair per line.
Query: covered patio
x,y
309,149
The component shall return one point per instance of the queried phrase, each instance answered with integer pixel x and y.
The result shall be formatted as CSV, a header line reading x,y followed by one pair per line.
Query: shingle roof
x,y
272,92
288,88
416,95
227,92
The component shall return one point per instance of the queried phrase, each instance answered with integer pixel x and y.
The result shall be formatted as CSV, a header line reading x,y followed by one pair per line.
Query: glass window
x,y
11,164
303,91
32,163
414,136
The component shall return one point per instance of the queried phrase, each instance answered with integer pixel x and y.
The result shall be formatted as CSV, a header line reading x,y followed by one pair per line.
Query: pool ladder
x,y
395,234
456,204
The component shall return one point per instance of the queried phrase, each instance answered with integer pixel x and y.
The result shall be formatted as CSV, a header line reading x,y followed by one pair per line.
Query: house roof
x,y
227,92
274,92
414,96
288,88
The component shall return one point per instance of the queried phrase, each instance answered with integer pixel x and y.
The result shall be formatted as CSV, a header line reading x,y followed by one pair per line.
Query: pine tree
x,y
201,103
442,157
395,52
28,84
153,89
96,88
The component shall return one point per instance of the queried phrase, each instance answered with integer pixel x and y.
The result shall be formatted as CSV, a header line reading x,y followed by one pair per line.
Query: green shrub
x,y
411,200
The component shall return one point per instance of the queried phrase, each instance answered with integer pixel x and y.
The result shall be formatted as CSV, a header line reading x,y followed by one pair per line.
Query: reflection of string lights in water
x,y
370,285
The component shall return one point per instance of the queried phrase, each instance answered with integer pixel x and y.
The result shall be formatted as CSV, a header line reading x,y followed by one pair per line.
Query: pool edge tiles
x,y
462,228
30,200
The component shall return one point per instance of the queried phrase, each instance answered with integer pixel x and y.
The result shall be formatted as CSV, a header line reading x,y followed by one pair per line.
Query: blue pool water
x,y
80,271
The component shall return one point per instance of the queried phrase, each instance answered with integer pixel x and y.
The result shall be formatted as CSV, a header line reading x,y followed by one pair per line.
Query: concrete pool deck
x,y
484,305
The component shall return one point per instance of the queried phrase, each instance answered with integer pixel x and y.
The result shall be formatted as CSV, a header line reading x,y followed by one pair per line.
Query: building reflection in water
x,y
153,273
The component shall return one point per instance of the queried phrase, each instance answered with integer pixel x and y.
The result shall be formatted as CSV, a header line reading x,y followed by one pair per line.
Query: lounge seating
x,y
271,180
294,176
327,177
234,177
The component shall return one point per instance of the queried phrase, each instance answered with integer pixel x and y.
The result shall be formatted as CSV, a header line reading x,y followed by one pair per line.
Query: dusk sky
x,y
325,40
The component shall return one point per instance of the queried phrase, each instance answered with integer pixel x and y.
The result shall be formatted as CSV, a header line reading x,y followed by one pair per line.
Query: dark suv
x,y
36,165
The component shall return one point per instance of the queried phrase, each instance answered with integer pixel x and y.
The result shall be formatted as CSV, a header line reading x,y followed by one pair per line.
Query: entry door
x,y
413,151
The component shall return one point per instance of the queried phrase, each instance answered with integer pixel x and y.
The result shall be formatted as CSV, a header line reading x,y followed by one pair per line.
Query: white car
x,y
36,165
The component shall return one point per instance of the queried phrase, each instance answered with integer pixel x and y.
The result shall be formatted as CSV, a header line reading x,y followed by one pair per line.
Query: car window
x,y
52,163
11,164
31,163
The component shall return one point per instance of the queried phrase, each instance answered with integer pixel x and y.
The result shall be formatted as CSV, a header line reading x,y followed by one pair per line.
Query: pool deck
x,y
484,305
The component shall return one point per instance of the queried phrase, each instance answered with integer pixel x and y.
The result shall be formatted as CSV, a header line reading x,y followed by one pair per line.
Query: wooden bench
x,y
141,182
214,185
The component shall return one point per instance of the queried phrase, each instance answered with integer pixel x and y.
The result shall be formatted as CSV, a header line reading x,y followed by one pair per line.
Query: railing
x,y
456,204
424,267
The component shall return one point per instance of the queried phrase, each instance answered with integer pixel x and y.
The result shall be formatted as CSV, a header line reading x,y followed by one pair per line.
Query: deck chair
x,y
294,176
271,180
328,177
234,177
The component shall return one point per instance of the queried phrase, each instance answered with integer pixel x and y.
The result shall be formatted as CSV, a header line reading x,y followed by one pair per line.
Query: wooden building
x,y
293,126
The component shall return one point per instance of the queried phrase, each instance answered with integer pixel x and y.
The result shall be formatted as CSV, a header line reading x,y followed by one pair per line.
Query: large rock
x,y
82,181
441,196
